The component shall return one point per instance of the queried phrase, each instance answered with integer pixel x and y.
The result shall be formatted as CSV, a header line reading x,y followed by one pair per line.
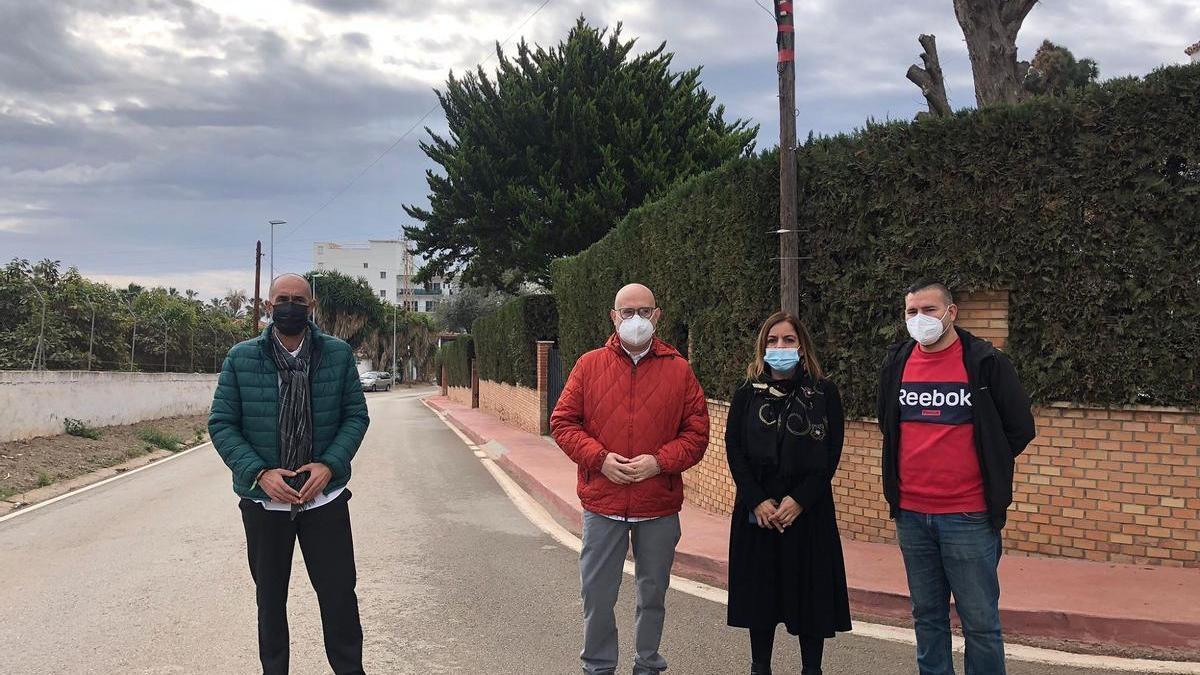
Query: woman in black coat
x,y
784,440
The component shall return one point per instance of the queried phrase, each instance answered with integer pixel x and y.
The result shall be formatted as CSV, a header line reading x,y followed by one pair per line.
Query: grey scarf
x,y
295,409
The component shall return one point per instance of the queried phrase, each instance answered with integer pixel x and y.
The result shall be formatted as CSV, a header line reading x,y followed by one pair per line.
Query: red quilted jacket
x,y
654,408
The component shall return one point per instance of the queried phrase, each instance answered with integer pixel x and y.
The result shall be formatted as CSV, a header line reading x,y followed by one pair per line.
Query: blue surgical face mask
x,y
782,359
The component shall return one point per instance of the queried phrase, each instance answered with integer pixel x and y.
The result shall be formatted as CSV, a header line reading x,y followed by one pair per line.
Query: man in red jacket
x,y
633,418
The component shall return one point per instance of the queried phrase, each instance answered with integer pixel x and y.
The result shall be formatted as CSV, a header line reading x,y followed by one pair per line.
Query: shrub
x,y
1086,208
79,428
506,340
457,356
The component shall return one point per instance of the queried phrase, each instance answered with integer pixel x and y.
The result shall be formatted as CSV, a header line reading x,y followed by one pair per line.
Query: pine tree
x,y
543,158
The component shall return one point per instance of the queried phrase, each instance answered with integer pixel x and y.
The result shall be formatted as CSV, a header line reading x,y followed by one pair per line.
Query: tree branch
x,y
929,78
1015,11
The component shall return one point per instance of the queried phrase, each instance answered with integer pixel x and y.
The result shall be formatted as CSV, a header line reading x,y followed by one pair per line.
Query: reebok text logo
x,y
936,398
936,403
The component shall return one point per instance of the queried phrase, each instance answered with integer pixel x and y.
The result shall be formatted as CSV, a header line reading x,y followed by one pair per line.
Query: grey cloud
x,y
354,6
357,41
40,55
415,9
177,167
42,147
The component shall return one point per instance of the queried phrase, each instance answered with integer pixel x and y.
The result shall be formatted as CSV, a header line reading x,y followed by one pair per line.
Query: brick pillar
x,y
445,385
985,313
474,384
543,384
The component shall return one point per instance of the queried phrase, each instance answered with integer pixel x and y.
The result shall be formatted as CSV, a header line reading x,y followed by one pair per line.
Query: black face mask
x,y
289,318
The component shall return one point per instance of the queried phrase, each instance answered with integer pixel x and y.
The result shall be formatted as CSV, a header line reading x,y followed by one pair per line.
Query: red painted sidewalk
x,y
1140,606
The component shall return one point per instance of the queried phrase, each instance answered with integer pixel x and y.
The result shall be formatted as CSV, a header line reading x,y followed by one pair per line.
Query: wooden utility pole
x,y
257,287
789,241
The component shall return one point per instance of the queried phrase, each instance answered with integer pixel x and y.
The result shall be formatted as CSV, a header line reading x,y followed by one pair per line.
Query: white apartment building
x,y
1194,52
382,263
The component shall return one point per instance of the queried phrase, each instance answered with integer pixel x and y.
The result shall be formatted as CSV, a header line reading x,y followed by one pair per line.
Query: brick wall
x,y
517,406
1118,485
1111,485
460,395
985,314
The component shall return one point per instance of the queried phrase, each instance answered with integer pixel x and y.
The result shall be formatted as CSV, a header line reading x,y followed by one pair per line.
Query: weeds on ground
x,y
6,492
162,439
44,479
80,428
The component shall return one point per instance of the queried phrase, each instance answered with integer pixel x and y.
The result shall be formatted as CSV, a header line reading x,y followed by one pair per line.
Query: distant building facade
x,y
386,268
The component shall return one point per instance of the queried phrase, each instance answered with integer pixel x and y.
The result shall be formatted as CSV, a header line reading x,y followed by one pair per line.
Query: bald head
x,y
290,284
634,295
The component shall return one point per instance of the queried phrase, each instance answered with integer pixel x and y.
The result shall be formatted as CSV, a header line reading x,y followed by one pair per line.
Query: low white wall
x,y
35,403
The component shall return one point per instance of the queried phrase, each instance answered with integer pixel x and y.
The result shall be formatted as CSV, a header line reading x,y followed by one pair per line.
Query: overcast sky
x,y
151,140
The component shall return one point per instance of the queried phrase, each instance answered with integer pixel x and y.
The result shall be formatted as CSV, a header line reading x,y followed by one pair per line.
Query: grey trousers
x,y
605,543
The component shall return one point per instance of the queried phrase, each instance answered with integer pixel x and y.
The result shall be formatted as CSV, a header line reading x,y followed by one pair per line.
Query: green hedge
x,y
1087,209
457,356
506,340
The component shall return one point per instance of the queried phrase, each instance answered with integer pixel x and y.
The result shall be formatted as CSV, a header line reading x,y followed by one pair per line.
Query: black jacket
x,y
1003,419
797,577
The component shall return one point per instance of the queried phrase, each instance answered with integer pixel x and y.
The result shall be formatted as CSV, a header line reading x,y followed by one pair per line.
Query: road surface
x,y
148,575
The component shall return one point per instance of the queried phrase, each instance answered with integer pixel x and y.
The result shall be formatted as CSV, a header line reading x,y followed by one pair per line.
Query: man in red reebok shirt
x,y
954,418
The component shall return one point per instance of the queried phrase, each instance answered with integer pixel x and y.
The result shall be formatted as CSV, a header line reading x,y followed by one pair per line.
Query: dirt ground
x,y
33,463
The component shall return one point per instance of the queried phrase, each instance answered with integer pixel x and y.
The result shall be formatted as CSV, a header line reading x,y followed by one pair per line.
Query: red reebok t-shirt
x,y
939,469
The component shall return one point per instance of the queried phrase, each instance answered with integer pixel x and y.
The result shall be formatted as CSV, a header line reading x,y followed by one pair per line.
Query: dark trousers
x,y
328,549
762,647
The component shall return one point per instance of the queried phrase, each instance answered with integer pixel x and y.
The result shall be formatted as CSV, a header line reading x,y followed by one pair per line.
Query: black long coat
x,y
797,577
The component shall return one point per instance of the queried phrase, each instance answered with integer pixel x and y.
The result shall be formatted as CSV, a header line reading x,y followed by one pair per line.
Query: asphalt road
x,y
148,575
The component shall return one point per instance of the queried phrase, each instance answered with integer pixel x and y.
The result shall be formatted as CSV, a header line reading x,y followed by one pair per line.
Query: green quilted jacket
x,y
244,422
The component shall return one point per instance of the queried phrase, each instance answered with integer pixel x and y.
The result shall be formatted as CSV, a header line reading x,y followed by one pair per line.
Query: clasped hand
x,y
272,482
777,515
623,471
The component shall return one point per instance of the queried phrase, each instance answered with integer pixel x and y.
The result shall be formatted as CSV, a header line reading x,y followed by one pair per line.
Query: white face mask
x,y
926,329
636,331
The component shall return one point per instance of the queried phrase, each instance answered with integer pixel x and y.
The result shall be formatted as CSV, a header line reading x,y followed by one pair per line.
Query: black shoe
x,y
760,669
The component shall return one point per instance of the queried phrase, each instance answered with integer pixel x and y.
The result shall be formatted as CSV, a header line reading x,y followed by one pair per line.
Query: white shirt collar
x,y
637,357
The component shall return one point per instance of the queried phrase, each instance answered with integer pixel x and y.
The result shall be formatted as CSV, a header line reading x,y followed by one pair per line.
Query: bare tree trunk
x,y
991,27
929,78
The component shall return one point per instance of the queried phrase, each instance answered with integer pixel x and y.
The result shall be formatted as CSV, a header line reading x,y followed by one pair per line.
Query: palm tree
x,y
235,300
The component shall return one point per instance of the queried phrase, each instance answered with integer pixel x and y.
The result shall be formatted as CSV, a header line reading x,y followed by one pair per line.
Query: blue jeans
x,y
955,553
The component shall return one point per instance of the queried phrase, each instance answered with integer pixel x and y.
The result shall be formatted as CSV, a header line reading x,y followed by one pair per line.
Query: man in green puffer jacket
x,y
287,418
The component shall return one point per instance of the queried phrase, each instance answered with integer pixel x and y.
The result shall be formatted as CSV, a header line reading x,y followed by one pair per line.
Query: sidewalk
x,y
1123,605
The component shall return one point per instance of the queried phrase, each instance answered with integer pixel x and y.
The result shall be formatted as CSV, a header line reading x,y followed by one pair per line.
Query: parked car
x,y
375,380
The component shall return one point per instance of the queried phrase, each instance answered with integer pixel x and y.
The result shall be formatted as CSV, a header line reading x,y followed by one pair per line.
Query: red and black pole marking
x,y
786,25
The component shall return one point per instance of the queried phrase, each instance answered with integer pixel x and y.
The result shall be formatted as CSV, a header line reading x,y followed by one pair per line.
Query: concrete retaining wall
x,y
35,403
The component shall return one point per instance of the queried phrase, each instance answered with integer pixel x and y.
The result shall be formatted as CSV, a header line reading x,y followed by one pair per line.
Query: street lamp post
x,y
273,223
